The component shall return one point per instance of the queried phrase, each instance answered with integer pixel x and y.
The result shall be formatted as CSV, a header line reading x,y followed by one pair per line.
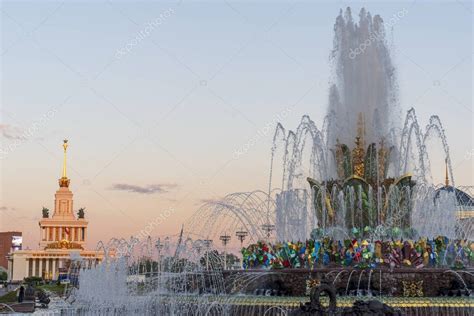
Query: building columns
x,y
28,261
10,269
54,269
48,268
40,270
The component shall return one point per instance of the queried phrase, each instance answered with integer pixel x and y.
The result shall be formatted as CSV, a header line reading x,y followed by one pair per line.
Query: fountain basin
x,y
294,282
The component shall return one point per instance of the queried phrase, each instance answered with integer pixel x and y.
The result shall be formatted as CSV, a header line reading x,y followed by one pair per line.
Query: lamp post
x,y
241,234
268,228
225,240
207,243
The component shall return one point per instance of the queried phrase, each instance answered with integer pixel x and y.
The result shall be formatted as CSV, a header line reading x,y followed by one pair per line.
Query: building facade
x,y
9,242
62,235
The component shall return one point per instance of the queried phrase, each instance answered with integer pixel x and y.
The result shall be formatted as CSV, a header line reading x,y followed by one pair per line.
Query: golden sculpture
x,y
64,181
64,244
310,284
358,153
413,288
363,169
329,209
358,158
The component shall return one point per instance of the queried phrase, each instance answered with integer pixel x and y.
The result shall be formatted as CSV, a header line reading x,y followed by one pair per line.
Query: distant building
x,y
61,236
9,242
464,205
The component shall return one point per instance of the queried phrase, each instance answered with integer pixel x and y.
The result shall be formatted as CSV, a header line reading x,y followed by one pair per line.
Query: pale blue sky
x,y
175,107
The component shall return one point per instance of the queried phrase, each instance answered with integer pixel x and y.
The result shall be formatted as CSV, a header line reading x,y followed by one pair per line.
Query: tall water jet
x,y
365,81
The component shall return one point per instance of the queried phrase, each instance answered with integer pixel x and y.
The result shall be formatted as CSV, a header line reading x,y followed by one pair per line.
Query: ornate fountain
x,y
363,196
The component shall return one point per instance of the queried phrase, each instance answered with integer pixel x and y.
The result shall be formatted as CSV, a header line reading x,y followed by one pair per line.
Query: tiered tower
x,y
62,240
63,229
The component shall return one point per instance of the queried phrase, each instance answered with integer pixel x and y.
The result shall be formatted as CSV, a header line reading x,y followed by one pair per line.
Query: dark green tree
x,y
45,212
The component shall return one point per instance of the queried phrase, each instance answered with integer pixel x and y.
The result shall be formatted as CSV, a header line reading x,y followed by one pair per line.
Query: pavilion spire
x,y
64,181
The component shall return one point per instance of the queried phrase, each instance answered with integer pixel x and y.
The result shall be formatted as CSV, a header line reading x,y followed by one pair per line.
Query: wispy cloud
x,y
6,208
15,215
18,136
148,189
12,132
208,201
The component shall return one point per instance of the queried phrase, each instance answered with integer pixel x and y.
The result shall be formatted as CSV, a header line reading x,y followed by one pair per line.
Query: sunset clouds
x,y
147,189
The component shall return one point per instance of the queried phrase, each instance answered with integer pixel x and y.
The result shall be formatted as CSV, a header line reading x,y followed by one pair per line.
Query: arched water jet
x,y
348,281
358,283
466,288
244,210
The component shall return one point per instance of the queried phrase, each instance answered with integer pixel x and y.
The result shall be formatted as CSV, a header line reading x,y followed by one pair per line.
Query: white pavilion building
x,y
61,236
